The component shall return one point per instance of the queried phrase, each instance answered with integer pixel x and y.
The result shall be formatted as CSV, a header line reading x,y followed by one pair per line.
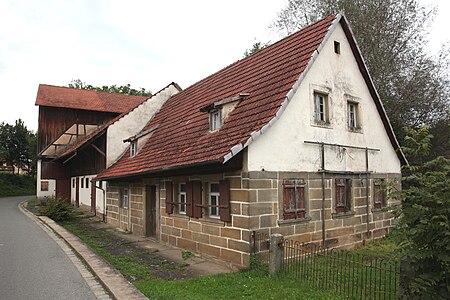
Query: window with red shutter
x,y
169,197
294,199
343,195
197,198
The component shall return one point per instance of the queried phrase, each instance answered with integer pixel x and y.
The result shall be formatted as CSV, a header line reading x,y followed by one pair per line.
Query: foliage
x,y
18,145
257,46
116,89
16,185
186,254
424,220
414,86
57,210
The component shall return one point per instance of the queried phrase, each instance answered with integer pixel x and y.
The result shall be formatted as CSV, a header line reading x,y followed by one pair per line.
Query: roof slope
x,y
270,77
57,96
183,137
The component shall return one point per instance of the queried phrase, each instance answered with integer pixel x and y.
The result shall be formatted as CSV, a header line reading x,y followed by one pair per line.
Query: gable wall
x,y
337,75
133,123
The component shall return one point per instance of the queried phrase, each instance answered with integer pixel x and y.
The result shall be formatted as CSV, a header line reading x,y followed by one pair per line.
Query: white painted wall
x,y
51,184
85,192
282,147
133,123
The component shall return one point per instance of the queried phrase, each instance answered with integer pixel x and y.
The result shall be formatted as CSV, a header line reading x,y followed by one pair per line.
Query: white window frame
x,y
215,120
133,148
214,212
321,108
125,197
182,199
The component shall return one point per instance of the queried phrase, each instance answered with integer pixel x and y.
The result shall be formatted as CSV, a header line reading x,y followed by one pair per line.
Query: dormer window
x,y
133,148
215,120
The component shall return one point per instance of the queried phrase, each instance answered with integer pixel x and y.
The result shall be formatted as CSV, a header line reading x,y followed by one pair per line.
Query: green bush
x,y
16,185
57,209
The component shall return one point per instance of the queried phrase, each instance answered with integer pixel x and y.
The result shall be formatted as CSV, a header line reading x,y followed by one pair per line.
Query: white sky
x,y
145,43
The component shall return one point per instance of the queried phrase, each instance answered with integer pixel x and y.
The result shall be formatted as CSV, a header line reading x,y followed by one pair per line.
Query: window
x,y
215,121
125,197
343,195
44,186
214,199
294,199
74,183
337,47
182,198
82,183
379,194
87,183
352,108
321,108
133,148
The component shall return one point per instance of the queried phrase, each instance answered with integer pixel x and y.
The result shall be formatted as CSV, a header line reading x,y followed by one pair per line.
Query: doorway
x,y
150,210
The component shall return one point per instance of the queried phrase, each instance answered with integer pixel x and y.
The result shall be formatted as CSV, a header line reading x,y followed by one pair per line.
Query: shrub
x,y
58,210
16,185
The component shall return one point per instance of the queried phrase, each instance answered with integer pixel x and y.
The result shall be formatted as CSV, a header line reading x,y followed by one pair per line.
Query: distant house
x,y
293,140
73,146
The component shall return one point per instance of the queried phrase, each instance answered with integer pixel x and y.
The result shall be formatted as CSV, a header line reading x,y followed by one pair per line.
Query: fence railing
x,y
349,274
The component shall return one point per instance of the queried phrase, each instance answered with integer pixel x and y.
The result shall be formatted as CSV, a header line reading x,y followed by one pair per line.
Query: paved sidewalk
x,y
112,280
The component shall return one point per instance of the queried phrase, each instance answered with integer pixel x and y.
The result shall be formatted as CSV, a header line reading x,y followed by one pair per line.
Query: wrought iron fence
x,y
350,274
260,246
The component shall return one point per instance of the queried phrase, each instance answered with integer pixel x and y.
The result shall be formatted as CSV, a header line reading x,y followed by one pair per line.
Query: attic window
x,y
133,148
215,120
337,47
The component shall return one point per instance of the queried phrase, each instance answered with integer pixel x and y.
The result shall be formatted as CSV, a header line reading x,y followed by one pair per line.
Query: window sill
x,y
343,215
211,220
322,125
378,210
181,216
355,130
294,221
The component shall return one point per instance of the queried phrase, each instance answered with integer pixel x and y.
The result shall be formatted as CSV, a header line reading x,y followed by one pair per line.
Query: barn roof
x,y
264,83
64,97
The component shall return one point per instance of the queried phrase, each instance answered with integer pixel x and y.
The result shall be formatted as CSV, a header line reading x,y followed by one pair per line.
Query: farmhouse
x,y
293,140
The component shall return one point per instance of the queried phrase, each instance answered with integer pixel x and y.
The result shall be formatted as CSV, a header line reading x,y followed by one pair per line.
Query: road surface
x,y
32,264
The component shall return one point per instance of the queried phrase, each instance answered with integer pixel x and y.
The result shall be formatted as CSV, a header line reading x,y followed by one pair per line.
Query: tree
x,y
424,221
122,89
18,145
255,48
414,87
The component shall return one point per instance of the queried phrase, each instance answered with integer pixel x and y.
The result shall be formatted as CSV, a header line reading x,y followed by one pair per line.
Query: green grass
x,y
16,185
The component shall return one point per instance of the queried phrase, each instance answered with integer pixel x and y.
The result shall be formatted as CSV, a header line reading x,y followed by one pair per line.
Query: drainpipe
x,y
323,193
367,192
104,202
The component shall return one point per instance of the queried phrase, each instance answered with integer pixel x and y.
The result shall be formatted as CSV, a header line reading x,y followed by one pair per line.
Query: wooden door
x,y
93,196
77,193
150,211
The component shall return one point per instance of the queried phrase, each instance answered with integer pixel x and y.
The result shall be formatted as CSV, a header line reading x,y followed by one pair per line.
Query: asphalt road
x,y
32,265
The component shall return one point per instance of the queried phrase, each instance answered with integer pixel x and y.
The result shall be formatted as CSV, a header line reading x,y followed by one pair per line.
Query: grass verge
x,y
16,185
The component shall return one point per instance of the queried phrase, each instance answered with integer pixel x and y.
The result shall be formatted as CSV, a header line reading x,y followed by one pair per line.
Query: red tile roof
x,y
270,77
57,96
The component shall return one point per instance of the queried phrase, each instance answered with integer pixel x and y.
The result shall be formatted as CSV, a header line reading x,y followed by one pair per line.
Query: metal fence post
x,y
276,253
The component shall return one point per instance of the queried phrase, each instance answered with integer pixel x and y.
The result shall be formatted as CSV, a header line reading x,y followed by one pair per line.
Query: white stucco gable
x,y
282,146
133,122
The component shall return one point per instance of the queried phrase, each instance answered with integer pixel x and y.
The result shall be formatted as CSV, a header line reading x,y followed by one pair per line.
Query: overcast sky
x,y
145,43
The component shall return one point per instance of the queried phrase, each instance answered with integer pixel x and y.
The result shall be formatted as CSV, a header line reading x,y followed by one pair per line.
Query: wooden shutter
x,y
224,201
340,195
289,209
300,199
169,197
348,200
189,199
197,198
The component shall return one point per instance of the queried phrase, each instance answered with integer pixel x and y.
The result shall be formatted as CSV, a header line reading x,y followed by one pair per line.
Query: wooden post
x,y
276,253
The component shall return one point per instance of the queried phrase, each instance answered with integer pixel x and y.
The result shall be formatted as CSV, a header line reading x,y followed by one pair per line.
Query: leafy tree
x,y
414,87
423,223
18,145
122,89
255,48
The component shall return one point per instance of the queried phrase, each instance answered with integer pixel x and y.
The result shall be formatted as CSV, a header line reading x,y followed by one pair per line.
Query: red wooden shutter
x,y
189,199
197,198
169,197
348,202
340,195
224,201
300,200
289,209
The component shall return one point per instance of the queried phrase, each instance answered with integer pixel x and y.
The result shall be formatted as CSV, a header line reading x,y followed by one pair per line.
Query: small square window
x,y
44,186
133,148
337,47
215,121
353,118
214,200
321,108
182,198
